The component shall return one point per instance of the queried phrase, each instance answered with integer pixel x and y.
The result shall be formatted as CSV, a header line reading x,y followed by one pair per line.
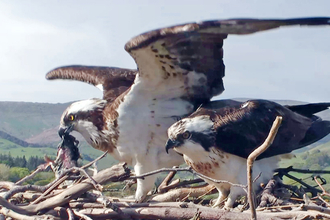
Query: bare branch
x,y
163,187
117,172
312,189
70,214
291,169
252,157
38,170
12,214
82,216
187,169
94,161
182,193
189,211
51,188
18,189
320,185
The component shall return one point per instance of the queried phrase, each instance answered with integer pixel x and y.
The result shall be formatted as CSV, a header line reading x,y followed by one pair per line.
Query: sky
x,y
38,36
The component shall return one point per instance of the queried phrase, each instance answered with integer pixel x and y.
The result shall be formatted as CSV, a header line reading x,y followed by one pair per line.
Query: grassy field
x,y
302,158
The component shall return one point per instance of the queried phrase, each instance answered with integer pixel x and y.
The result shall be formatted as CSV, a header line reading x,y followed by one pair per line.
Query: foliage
x,y
4,171
43,178
17,173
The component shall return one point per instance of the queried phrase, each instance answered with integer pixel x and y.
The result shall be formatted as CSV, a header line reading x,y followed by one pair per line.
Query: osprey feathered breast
x,y
218,137
179,68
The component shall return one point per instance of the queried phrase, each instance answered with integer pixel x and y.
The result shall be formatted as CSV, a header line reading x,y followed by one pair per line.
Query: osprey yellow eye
x,y
186,135
71,117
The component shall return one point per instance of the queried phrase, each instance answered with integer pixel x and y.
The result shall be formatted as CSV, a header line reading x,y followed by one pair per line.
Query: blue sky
x,y
37,36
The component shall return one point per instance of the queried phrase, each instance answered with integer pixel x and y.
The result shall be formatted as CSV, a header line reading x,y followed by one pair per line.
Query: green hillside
x,y
317,158
24,119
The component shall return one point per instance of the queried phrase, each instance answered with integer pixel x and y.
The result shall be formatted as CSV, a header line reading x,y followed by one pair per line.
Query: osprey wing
x,y
188,59
241,129
309,110
112,81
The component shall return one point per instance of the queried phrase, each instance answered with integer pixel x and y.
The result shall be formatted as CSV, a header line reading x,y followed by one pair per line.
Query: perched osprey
x,y
179,68
218,137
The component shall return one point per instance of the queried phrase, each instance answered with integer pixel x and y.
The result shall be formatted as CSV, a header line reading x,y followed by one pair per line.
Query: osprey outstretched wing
x,y
112,81
179,68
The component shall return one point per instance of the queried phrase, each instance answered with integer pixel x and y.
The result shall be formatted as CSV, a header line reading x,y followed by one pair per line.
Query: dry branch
x,y
10,213
163,187
94,161
252,157
117,172
182,193
291,169
17,189
206,213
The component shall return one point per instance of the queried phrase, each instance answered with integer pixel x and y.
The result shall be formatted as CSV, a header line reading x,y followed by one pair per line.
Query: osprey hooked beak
x,y
63,131
171,144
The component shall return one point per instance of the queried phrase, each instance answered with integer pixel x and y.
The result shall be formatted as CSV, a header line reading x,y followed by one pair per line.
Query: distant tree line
x,y
32,163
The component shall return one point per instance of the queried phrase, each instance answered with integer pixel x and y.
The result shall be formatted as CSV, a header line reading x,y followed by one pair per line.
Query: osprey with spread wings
x,y
179,68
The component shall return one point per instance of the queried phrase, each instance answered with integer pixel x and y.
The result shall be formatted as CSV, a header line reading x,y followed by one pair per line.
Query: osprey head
x,y
191,132
84,117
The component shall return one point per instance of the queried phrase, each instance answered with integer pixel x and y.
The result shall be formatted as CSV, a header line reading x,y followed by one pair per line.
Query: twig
x,y
278,207
187,169
95,184
178,183
108,204
70,214
82,216
315,208
312,189
116,173
325,202
11,213
220,181
291,169
324,192
180,194
252,157
207,213
257,177
6,185
18,189
94,161
207,192
65,176
38,170
163,187
51,188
